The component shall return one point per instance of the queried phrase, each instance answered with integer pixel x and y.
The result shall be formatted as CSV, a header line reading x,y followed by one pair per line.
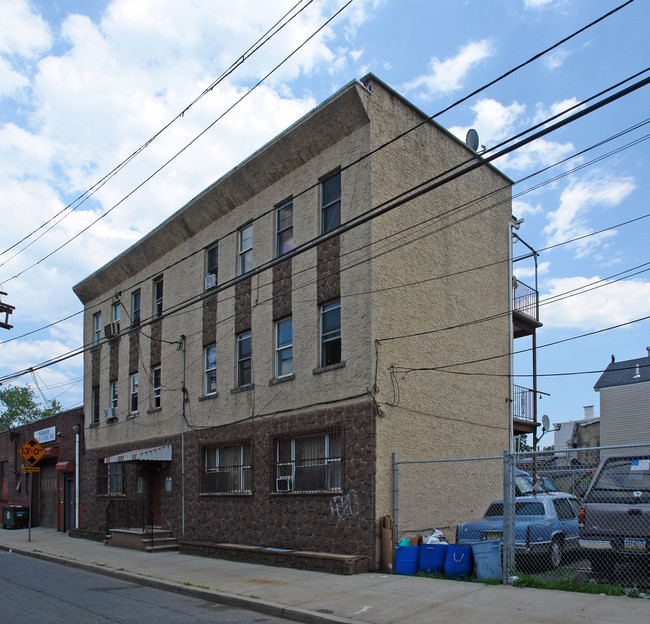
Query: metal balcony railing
x,y
525,300
523,404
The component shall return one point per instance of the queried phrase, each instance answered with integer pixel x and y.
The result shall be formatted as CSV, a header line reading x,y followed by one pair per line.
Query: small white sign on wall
x,y
45,435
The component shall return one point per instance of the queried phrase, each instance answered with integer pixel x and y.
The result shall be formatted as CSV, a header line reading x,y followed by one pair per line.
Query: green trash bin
x,y
15,517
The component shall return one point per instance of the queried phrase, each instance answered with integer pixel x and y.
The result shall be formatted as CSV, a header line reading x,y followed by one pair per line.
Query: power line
x,y
426,120
81,199
183,149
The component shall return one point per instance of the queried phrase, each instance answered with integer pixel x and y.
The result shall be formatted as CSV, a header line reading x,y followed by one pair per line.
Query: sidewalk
x,y
315,597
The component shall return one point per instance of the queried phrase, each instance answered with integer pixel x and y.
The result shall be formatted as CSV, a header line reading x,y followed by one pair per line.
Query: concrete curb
x,y
232,600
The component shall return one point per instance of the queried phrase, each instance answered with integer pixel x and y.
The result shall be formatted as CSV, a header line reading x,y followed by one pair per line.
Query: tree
x,y
18,406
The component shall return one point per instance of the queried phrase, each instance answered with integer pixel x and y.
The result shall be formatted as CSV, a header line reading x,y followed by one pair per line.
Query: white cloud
x,y
524,272
612,304
22,31
555,59
116,84
449,74
492,120
539,153
10,81
577,200
522,209
537,4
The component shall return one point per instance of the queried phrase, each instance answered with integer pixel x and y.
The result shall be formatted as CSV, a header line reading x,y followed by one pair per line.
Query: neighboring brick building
x,y
243,381
54,484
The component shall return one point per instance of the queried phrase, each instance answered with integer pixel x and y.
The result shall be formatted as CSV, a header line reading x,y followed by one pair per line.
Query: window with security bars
x,y
309,463
227,469
110,478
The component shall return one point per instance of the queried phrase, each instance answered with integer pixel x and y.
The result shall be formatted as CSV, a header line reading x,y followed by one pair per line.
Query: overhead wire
x,y
81,199
389,142
183,149
348,225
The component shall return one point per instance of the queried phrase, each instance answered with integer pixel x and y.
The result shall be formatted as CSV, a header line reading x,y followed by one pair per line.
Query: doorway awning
x,y
156,453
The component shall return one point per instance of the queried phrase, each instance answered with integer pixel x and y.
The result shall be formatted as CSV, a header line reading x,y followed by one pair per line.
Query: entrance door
x,y
48,495
68,503
154,495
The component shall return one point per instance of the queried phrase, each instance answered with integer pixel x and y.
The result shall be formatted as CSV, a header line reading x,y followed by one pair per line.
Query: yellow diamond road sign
x,y
32,452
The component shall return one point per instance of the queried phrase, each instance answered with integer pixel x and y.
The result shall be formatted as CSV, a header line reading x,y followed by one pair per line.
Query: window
x,y
210,358
330,193
283,348
110,478
211,266
330,316
95,405
156,387
135,308
245,249
4,480
97,328
284,228
564,509
134,395
310,463
227,469
114,394
244,360
115,317
158,297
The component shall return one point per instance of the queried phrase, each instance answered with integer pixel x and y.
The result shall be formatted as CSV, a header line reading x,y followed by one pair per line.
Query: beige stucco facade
x,y
422,286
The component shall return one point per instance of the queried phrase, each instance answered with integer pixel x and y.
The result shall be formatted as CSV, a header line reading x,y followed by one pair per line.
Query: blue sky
x,y
84,84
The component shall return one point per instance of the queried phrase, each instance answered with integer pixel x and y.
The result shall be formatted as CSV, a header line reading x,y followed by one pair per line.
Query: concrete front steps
x,y
137,539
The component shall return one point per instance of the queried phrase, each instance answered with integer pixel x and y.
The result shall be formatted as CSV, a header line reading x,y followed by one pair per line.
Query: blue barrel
x,y
459,561
432,557
407,559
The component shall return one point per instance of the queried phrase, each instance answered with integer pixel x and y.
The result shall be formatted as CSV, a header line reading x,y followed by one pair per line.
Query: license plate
x,y
634,543
492,535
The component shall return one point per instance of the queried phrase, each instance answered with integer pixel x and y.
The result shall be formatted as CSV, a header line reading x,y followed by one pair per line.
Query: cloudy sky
x,y
84,85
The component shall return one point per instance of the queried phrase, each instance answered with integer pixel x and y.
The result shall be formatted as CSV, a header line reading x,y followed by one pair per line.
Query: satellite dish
x,y
546,423
472,139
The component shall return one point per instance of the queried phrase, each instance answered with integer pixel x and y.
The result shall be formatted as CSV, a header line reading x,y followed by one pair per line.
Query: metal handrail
x,y
130,513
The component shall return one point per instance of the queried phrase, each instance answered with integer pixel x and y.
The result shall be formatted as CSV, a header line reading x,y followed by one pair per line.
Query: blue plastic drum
x,y
459,561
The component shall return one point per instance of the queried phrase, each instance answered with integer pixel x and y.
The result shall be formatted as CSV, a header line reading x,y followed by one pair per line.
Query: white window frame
x,y
331,335
210,368
114,394
283,348
281,230
133,381
115,316
156,387
242,358
325,207
212,455
285,470
136,302
158,297
212,268
245,249
97,328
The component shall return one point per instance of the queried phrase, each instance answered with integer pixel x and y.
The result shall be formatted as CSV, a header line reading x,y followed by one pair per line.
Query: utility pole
x,y
5,309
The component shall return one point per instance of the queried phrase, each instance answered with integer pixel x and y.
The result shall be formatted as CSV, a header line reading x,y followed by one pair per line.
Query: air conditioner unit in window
x,y
210,281
283,484
111,330
110,413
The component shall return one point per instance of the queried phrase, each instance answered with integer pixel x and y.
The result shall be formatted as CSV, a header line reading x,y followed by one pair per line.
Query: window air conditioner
x,y
283,484
110,413
111,330
210,281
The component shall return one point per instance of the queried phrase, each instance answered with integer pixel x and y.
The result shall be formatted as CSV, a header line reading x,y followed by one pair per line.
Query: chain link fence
x,y
545,515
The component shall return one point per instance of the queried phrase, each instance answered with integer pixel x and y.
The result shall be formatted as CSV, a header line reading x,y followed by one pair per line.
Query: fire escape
x,y
525,322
